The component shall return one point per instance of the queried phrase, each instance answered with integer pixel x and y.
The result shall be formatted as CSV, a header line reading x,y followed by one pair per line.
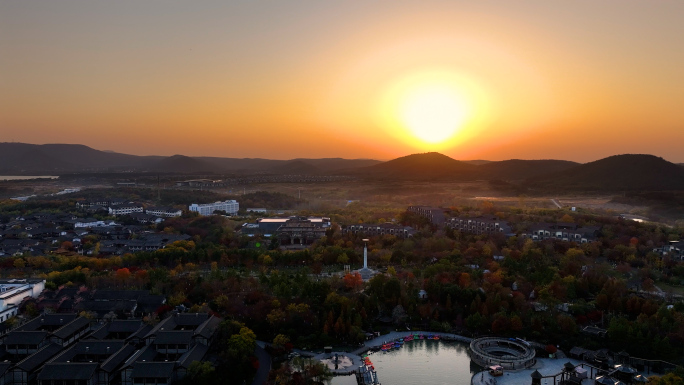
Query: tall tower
x,y
365,254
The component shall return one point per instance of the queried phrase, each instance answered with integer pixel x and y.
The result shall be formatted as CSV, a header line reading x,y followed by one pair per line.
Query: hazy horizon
x,y
340,157
575,81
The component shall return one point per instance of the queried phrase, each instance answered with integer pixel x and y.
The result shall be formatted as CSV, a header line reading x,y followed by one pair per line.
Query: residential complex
x,y
64,348
371,230
480,225
231,207
562,231
434,214
167,212
126,209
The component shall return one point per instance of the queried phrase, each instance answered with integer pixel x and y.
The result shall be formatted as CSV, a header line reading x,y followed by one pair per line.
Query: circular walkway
x,y
510,353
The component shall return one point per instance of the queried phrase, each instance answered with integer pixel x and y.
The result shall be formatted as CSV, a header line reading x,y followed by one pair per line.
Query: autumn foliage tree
x,y
123,274
353,280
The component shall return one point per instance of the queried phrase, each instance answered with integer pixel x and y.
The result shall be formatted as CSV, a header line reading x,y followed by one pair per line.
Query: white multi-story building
x,y
125,209
231,207
164,212
13,291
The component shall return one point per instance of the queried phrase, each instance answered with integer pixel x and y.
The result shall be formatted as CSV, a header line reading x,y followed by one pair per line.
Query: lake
x,y
26,177
421,362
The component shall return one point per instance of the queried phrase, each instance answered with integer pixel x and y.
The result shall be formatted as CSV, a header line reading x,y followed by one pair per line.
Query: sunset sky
x,y
576,80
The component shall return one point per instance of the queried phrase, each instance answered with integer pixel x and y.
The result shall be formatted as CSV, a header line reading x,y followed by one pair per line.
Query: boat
x,y
496,370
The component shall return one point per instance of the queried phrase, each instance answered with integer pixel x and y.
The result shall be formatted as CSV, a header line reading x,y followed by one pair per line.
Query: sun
x,y
433,113
433,109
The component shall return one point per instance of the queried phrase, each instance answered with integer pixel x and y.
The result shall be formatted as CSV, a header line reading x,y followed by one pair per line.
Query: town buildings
x,y
292,232
14,291
46,233
674,249
231,207
126,209
64,348
480,225
562,231
434,214
371,230
299,232
166,212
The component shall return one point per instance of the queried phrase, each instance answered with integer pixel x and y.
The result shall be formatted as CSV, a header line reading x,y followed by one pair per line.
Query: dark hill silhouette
x,y
326,165
23,158
517,169
31,161
335,164
242,165
477,162
185,165
427,166
296,167
616,173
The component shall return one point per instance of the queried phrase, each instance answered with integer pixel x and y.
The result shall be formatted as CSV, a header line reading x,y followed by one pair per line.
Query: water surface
x,y
421,362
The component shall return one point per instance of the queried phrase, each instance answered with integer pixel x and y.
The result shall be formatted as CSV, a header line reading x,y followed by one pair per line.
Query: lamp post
x,y
365,253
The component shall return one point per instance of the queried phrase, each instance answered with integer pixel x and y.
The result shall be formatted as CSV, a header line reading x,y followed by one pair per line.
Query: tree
x,y
242,344
123,274
464,280
516,323
200,370
310,371
19,263
398,314
567,218
668,379
353,280
343,259
31,309
280,341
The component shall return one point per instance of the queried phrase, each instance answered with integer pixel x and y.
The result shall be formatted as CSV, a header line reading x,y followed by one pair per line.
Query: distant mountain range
x,y
429,166
33,159
616,173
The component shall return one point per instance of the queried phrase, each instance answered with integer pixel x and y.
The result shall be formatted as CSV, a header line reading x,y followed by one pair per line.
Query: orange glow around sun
x,y
433,110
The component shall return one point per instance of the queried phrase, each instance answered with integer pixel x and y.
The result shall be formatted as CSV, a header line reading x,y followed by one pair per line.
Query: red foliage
x,y
123,274
163,309
550,349
353,281
594,315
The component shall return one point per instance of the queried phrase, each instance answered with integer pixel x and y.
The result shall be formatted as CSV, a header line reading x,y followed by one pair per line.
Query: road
x,y
264,366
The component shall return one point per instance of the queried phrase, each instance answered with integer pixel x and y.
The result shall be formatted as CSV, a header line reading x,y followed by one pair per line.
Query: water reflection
x,y
421,362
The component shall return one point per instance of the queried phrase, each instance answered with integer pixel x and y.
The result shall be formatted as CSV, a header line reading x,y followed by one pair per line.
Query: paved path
x,y
545,366
264,365
555,202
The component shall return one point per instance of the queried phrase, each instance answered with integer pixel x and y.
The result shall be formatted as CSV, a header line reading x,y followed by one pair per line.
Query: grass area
x,y
670,288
